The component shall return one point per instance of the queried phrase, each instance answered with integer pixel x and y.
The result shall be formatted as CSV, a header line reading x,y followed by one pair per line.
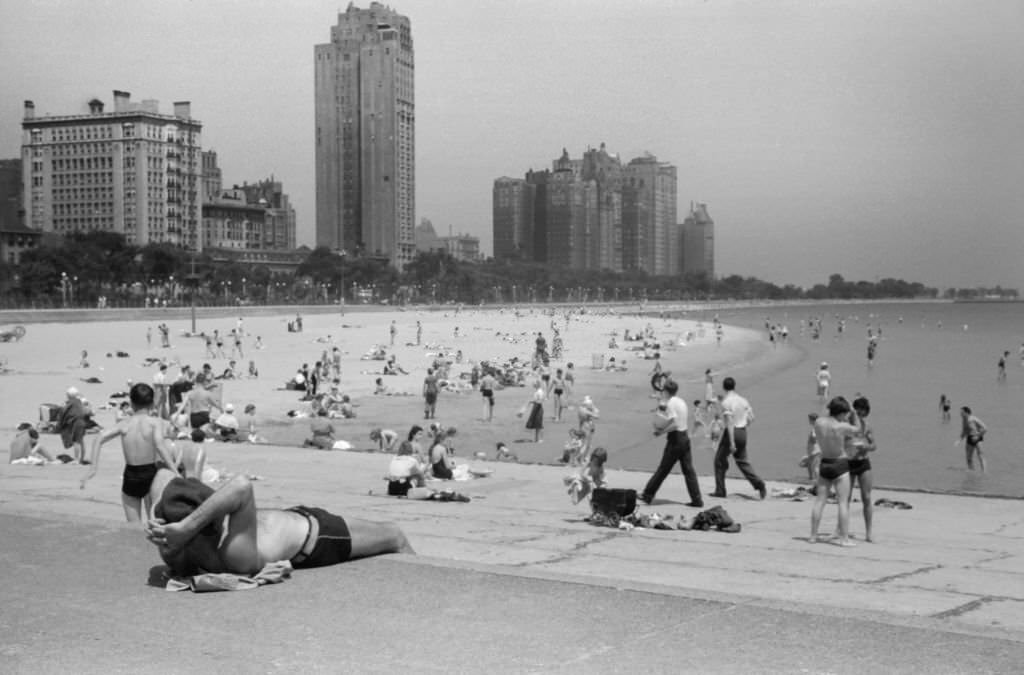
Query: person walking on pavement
x,y
677,449
738,415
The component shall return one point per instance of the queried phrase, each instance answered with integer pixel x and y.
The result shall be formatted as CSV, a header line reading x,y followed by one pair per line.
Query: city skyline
x,y
868,140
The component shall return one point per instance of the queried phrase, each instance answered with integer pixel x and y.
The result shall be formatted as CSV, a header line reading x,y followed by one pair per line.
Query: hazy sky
x,y
871,139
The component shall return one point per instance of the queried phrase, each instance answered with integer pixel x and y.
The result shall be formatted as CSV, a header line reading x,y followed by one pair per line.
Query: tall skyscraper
x,y
699,242
365,135
649,225
134,171
513,218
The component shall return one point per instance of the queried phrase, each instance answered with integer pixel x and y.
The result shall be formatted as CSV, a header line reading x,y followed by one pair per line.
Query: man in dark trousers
x,y
738,415
674,423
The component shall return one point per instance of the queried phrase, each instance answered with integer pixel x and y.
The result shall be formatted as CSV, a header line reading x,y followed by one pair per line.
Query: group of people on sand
x,y
424,454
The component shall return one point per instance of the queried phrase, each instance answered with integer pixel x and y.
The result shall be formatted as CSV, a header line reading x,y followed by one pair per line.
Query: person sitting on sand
x,y
323,432
384,438
196,528
333,399
503,454
441,463
297,382
189,455
391,367
200,402
144,443
25,447
226,425
405,471
589,477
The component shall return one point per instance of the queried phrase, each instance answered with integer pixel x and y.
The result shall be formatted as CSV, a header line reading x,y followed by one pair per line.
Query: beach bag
x,y
618,501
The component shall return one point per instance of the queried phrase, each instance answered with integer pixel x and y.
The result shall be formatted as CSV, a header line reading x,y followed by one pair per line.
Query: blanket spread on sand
x,y
272,573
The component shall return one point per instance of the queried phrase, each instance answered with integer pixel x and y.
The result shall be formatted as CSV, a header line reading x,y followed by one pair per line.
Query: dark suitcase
x,y
619,501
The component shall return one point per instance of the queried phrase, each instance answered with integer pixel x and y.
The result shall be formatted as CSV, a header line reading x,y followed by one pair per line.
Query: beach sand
x,y
45,363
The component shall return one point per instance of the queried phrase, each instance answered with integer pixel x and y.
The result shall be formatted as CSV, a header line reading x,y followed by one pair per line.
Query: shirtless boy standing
x,y
143,441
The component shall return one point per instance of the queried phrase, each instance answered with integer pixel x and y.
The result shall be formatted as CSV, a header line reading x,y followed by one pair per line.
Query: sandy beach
x,y
46,362
521,581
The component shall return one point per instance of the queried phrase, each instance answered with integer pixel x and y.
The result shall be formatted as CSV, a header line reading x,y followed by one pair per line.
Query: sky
x,y
867,138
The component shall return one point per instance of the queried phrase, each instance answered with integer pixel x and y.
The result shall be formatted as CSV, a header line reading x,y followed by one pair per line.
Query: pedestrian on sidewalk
x,y
674,423
738,415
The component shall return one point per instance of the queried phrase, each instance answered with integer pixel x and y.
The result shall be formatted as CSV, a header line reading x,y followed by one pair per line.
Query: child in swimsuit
x,y
144,442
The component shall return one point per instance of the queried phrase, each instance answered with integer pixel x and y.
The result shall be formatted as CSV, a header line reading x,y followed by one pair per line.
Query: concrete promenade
x,y
516,581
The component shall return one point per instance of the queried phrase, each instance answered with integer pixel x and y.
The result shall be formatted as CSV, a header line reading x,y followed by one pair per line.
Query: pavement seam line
x,y
960,610
903,575
570,554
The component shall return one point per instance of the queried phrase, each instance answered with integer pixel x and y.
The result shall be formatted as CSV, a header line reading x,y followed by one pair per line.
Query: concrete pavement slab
x,y
933,569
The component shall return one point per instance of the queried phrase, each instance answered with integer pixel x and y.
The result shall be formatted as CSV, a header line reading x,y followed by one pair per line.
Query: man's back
x,y
738,408
200,400
139,438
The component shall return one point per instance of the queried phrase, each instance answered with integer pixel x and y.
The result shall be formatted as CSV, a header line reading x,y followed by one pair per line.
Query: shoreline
x,y
175,312
623,397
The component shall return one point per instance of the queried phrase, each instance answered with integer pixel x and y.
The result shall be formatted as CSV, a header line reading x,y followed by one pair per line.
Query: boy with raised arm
x,y
144,444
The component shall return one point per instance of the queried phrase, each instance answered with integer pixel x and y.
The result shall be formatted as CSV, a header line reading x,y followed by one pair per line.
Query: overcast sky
x,y
872,139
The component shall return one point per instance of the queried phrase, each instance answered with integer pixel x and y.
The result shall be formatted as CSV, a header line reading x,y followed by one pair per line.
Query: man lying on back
x,y
198,529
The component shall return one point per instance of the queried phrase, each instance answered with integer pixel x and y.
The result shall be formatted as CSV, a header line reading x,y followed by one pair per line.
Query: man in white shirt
x,y
738,415
674,423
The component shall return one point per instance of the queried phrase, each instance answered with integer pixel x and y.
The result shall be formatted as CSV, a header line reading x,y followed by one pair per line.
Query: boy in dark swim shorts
x,y
144,443
137,478
832,433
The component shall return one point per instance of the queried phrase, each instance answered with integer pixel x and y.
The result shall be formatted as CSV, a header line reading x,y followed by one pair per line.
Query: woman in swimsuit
x,y
860,464
441,464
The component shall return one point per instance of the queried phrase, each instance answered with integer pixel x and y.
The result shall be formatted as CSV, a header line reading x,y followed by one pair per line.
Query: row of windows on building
x,y
93,149
89,132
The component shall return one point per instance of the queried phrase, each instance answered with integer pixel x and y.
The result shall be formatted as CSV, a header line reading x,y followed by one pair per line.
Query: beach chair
x,y
49,416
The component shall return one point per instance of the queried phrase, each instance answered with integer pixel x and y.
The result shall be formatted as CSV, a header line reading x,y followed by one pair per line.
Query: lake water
x,y
936,348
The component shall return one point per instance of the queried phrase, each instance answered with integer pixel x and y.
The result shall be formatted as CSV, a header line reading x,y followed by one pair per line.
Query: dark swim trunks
x,y
833,468
332,543
137,479
198,419
859,466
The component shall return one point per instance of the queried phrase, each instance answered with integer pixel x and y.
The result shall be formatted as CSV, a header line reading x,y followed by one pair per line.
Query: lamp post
x,y
74,282
64,289
243,288
341,279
